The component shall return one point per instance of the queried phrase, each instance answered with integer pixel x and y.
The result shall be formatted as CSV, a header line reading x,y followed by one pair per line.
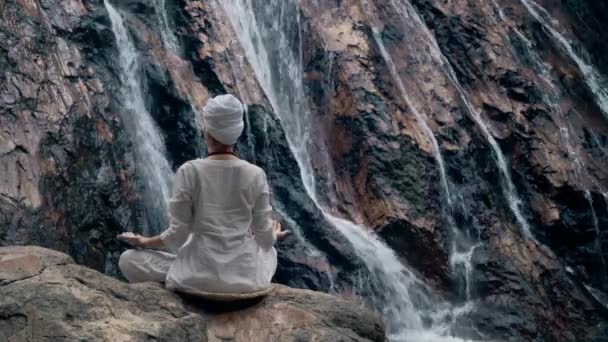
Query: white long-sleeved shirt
x,y
220,227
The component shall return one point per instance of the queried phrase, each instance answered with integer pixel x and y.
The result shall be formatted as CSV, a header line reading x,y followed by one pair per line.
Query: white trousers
x,y
143,265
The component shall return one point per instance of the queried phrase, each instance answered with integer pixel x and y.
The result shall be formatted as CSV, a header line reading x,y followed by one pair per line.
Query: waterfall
x,y
419,118
461,249
458,258
263,31
297,129
581,175
594,80
600,295
508,187
145,135
565,129
169,39
598,241
401,297
553,101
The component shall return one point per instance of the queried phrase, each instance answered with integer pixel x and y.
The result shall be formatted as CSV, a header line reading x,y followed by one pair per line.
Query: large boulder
x,y
44,296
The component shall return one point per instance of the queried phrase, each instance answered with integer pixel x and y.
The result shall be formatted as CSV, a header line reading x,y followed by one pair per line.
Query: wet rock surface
x,y
88,156
69,180
46,297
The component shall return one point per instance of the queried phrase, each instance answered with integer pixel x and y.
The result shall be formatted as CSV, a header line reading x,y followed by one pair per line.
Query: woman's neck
x,y
221,153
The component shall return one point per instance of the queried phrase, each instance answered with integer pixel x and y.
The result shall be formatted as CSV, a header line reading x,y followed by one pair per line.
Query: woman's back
x,y
226,198
221,229
225,203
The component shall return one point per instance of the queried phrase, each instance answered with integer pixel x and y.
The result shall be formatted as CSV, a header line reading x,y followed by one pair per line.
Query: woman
x,y
221,228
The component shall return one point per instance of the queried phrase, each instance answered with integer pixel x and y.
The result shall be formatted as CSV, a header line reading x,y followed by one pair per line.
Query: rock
x,y
69,179
44,296
18,263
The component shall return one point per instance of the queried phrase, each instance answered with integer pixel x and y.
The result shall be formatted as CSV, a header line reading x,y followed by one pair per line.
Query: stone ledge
x,y
44,296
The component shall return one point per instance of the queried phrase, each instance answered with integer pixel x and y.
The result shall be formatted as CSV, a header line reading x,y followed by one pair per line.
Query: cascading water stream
x,y
599,295
410,314
596,83
309,250
565,130
399,295
169,39
145,135
242,93
419,118
545,75
172,45
461,248
598,242
458,258
582,177
508,187
596,140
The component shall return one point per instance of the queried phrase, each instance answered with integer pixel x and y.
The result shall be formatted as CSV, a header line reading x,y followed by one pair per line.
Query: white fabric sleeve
x,y
180,210
262,214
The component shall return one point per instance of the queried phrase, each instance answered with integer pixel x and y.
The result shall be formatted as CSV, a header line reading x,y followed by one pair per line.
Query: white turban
x,y
223,118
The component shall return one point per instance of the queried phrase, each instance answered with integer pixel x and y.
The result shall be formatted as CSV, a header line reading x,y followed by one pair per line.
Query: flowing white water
x,y
597,142
598,242
237,69
145,135
266,33
501,16
459,258
419,118
550,81
596,83
461,246
250,141
600,296
565,129
582,177
267,140
509,190
464,259
570,142
166,31
251,34
402,298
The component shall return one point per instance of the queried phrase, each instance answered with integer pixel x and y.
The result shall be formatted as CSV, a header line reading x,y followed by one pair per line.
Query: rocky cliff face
x,y
470,136
46,297
496,83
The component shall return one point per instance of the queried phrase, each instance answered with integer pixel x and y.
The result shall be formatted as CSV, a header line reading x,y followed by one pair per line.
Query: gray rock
x,y
44,296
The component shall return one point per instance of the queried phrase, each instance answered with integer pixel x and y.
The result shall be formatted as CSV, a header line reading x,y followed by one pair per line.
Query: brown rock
x,y
44,296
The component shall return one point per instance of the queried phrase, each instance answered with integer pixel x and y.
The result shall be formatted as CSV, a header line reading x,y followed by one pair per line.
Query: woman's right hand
x,y
133,239
278,231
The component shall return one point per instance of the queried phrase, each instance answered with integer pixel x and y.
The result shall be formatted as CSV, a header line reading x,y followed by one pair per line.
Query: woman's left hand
x,y
133,239
277,230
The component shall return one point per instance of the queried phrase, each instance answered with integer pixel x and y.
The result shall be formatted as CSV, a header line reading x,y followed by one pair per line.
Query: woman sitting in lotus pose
x,y
221,228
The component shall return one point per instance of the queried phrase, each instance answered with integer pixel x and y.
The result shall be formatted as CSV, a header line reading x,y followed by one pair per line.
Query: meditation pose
x,y
222,229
